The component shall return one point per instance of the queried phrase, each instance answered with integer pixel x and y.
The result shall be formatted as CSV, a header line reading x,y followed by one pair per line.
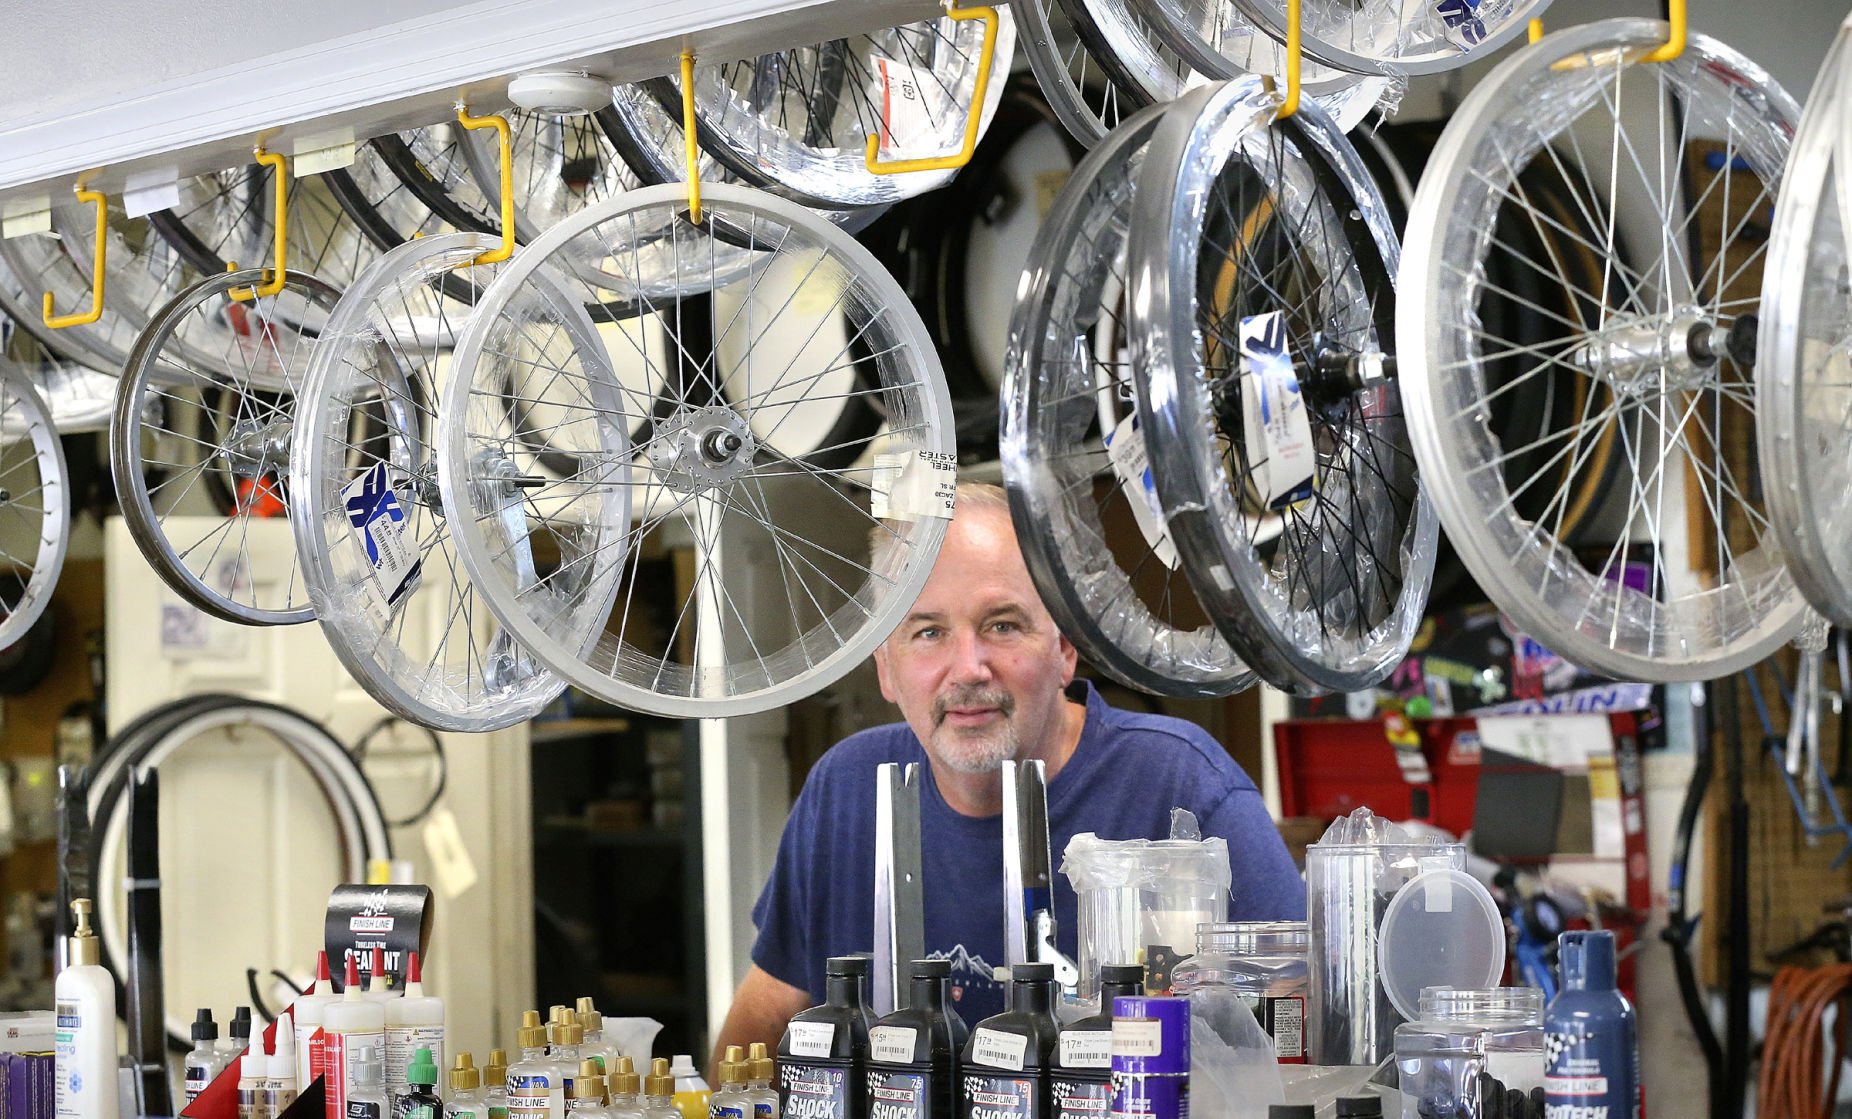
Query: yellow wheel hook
x,y
1290,104
1677,31
691,148
500,124
974,120
84,318
279,231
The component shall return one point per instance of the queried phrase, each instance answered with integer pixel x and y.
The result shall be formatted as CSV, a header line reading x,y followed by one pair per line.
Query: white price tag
x,y
1137,1037
378,517
1086,1049
909,485
910,107
443,843
1282,459
892,1044
812,1039
997,1049
1125,447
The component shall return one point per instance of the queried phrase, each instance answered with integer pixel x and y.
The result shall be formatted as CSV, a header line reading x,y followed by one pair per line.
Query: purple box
x,y
28,1086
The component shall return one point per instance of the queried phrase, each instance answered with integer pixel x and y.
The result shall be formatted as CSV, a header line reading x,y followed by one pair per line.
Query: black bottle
x,y
1004,1066
823,1056
1081,1084
913,1053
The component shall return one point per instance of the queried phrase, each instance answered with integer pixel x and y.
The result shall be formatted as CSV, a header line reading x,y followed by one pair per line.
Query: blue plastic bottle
x,y
1591,1046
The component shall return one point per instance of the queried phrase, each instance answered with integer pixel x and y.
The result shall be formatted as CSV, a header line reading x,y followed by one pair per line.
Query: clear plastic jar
x,y
1263,962
1461,1034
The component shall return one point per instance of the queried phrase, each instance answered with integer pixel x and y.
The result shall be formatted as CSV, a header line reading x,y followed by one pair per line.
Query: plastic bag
x,y
1233,1071
634,1038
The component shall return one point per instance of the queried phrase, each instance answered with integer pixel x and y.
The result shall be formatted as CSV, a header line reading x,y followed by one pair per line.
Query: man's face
x,y
977,667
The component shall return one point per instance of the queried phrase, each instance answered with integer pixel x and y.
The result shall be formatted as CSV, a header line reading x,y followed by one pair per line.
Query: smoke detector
x,y
560,93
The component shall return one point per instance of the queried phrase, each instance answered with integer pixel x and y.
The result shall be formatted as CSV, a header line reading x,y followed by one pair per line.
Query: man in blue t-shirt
x,y
981,676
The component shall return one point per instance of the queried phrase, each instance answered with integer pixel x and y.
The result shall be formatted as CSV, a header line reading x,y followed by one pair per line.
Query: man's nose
x,y
970,661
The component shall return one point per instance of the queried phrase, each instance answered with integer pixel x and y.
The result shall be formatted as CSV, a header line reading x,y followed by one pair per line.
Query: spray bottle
x,y
308,1011
253,1078
352,1023
495,1084
414,1021
419,1100
364,1073
623,1086
466,1096
595,1045
280,1088
202,1061
585,1100
691,1092
759,1082
659,1091
535,1087
1590,1041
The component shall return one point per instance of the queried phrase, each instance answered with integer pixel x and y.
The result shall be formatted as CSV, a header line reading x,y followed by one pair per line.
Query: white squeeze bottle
x,y
307,1013
85,1036
414,1021
253,1077
280,1087
348,1025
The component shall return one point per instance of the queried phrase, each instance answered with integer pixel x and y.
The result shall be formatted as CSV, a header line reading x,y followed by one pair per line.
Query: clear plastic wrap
x,y
35,491
1394,36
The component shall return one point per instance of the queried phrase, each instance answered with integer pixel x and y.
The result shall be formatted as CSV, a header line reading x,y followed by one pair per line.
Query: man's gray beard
x,y
988,756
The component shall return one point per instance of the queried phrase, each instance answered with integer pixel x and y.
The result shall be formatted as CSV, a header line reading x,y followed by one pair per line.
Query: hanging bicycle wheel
x,y
562,165
35,505
371,532
1375,36
225,218
748,577
1084,98
1074,456
1687,581
1138,44
433,164
1276,437
196,426
799,120
1804,353
36,263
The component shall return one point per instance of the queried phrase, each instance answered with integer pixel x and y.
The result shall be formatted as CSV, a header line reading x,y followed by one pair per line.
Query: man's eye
x,y
927,633
1006,627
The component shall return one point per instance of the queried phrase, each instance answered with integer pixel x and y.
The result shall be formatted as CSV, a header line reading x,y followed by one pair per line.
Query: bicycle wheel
x,y
611,613
1381,36
1086,101
799,120
239,426
1664,347
1073,451
433,165
370,530
562,165
225,217
35,505
1276,438
1803,406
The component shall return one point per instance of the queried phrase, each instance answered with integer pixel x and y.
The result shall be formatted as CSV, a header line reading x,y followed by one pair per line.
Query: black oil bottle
x,y
913,1053
1080,1086
1005,1064
823,1056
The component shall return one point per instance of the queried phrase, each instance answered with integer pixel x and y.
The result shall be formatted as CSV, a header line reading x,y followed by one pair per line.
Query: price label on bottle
x,y
998,1049
1086,1049
1137,1037
892,1044
811,1039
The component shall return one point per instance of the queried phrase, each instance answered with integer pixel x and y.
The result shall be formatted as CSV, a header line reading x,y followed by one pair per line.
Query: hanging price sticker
x,y
378,516
1282,456
908,485
1125,447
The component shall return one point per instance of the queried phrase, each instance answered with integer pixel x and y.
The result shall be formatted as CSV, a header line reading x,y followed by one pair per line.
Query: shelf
x,y
151,90
560,730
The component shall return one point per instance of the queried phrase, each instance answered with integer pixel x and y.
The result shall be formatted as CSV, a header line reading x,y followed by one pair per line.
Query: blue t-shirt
x,y
1126,774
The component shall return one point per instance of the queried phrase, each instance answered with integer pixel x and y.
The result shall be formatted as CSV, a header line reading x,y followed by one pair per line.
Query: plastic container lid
x,y
1442,929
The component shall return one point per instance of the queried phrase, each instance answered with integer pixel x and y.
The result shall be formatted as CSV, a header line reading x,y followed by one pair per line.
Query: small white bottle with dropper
x,y
280,1086
253,1079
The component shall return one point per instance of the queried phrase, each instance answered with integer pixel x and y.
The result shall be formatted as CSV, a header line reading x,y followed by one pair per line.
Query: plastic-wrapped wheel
x,y
35,505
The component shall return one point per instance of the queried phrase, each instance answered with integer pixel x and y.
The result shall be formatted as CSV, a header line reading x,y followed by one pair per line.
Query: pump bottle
x,y
913,1052
419,1100
1080,1086
495,1084
414,1021
594,1045
731,1100
364,1072
585,1100
466,1096
1590,1040
622,1085
280,1083
202,1061
823,1056
659,1091
84,1038
308,1012
352,1023
535,1088
1005,1063
759,1082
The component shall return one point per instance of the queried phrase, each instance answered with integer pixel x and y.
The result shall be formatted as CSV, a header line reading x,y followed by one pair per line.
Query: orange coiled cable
x,y
1795,1082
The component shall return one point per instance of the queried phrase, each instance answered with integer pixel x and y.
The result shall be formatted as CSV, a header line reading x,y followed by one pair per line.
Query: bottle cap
x,y
1172,1015
567,1031
588,1010
283,1053
377,978
413,974
846,965
1586,957
555,1013
241,1024
1032,973
324,982
369,1067
423,1069
464,1076
683,1066
621,1078
495,1073
204,1028
733,1066
350,981
1291,1111
929,969
760,1061
1122,975
660,1081
82,947
1360,1107
589,1084
531,1035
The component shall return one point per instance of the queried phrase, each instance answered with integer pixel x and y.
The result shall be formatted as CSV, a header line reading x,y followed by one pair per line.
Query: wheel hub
x,y
1652,353
700,448
255,448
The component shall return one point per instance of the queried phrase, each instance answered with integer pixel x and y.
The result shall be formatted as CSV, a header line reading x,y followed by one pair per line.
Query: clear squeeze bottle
x,y
466,1096
759,1070
366,1091
564,1037
913,1053
623,1090
659,1091
495,1084
594,1045
585,1100
731,1100
823,1056
1081,1084
1005,1063
202,1061
535,1088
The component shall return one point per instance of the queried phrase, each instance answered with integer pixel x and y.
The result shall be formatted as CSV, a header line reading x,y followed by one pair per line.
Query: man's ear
x,y
887,690
1070,658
